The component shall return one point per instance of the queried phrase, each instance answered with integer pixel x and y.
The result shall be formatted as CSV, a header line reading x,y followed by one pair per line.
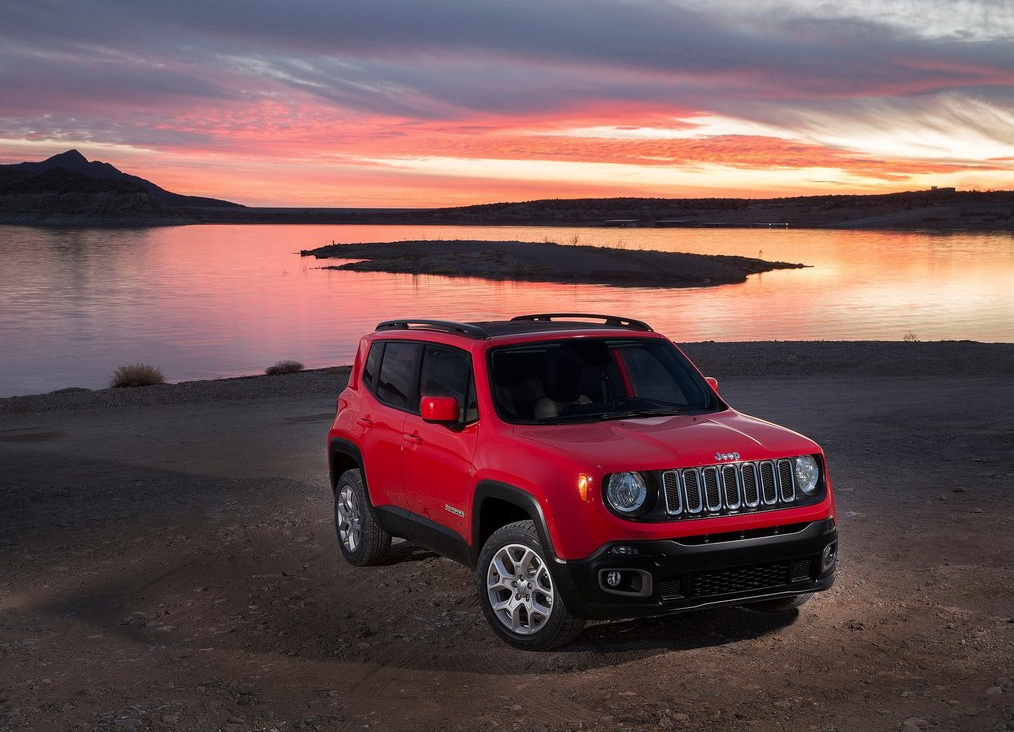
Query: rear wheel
x,y
517,593
362,540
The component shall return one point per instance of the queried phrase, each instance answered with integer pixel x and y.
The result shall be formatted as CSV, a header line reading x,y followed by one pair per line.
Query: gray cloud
x,y
446,59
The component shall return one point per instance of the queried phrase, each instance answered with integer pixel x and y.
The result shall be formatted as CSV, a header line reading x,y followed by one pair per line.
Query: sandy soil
x,y
171,565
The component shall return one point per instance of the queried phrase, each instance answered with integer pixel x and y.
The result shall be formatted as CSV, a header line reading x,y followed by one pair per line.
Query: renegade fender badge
x,y
456,511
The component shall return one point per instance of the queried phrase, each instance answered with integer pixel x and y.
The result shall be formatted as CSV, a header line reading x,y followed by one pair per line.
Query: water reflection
x,y
207,301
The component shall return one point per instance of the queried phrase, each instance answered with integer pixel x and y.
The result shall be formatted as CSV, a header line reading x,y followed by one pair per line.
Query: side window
x,y
396,378
372,363
448,372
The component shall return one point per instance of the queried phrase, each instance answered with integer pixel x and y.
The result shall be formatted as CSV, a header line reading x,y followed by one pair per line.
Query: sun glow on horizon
x,y
740,167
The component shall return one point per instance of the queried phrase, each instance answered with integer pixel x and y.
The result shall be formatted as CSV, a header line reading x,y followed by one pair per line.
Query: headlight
x,y
807,474
626,492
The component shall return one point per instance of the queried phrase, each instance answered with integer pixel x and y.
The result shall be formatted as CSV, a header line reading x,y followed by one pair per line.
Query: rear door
x,y
390,377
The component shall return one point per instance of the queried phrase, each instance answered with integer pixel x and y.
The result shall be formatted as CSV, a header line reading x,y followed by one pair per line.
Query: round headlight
x,y
807,474
626,492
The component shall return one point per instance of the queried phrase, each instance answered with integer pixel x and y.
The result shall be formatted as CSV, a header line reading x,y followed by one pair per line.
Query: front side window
x,y
595,379
448,372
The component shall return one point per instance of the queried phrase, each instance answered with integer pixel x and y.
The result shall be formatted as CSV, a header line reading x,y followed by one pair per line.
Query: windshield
x,y
595,379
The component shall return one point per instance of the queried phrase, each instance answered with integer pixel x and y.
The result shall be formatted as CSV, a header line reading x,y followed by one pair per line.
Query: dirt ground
x,y
174,567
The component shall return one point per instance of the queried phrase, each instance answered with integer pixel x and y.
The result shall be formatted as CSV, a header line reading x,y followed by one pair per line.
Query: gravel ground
x,y
169,563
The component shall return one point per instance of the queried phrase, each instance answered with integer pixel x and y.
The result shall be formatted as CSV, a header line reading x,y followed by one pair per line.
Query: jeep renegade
x,y
582,465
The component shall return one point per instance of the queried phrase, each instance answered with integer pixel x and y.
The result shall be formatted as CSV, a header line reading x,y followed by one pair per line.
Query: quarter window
x,y
372,362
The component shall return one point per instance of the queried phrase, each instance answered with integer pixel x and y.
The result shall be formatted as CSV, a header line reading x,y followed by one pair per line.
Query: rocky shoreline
x,y
83,202
720,359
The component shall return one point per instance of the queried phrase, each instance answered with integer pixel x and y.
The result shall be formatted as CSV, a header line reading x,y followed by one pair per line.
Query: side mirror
x,y
440,409
712,382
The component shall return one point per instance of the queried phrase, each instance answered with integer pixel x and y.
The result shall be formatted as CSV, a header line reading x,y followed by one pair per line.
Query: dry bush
x,y
137,374
284,367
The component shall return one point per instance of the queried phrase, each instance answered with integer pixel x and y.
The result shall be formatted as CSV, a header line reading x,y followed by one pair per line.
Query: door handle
x,y
414,438
365,421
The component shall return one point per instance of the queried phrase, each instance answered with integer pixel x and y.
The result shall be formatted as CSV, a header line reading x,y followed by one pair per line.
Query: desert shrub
x,y
137,374
284,367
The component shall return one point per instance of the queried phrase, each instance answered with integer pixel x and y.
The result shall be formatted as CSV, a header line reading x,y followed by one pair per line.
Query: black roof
x,y
537,323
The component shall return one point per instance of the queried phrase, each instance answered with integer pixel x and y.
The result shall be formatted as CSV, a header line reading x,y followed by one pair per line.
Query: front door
x,y
437,458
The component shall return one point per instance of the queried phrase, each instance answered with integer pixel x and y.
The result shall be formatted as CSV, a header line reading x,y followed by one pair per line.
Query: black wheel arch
x,y
496,504
344,455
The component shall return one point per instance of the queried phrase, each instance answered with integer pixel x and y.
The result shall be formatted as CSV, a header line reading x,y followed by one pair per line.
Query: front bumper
x,y
644,578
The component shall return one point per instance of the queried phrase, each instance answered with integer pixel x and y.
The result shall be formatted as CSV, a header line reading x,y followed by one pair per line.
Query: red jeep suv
x,y
582,465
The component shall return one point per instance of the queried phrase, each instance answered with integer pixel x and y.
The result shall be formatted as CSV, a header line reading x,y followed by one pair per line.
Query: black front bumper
x,y
643,578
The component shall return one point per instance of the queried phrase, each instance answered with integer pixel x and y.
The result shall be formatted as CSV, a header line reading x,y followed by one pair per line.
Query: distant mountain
x,y
74,162
69,190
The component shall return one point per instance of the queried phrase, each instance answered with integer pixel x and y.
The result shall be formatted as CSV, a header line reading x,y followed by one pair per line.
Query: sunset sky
x,y
450,102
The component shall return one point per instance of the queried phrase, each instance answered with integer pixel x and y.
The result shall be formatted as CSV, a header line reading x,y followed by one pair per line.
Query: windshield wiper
x,y
563,418
646,412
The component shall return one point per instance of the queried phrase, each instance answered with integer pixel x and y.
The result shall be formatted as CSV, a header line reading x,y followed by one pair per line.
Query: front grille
x,y
671,588
729,581
715,490
723,582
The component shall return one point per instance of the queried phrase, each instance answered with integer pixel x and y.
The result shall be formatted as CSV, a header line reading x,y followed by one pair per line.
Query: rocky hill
x,y
67,189
936,209
943,209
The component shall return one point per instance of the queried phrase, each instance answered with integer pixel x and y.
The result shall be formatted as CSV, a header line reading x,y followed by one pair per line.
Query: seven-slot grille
x,y
714,490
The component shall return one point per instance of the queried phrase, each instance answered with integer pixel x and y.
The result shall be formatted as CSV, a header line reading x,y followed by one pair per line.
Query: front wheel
x,y
517,594
362,540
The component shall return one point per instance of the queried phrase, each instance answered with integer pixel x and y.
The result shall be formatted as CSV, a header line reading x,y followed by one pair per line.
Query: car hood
x,y
656,443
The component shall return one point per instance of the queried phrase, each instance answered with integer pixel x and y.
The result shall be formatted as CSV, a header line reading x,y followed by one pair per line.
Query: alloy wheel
x,y
349,519
520,589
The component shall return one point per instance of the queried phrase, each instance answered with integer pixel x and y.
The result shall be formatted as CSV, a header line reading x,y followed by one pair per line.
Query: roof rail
x,y
448,326
608,319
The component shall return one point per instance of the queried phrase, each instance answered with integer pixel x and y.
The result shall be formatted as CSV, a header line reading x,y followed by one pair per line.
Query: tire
x,y
363,542
783,605
517,594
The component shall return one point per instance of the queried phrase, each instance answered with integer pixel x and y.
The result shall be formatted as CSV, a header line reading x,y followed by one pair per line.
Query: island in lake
x,y
546,262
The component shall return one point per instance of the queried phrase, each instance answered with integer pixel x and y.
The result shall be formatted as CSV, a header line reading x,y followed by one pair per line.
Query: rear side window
x,y
397,375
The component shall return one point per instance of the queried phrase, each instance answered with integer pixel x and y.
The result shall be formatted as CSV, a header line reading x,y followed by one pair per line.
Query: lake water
x,y
213,301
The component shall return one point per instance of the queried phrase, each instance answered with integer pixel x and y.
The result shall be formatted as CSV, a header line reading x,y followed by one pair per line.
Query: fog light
x,y
613,579
828,557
